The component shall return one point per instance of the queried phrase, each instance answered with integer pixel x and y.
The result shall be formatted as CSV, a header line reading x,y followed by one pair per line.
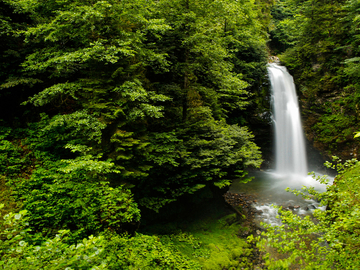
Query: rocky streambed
x,y
252,209
268,189
243,205
253,203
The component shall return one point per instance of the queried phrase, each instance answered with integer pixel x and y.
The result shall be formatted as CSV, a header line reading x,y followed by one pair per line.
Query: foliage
x,y
211,242
220,249
58,200
319,44
212,152
334,129
71,193
215,42
106,251
287,24
330,241
12,159
74,194
145,252
132,72
123,103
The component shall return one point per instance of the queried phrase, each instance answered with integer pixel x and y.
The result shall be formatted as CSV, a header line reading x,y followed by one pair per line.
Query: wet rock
x,y
241,202
246,232
296,206
311,206
291,207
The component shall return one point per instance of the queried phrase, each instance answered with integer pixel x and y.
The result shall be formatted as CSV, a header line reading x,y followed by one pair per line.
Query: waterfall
x,y
290,157
290,153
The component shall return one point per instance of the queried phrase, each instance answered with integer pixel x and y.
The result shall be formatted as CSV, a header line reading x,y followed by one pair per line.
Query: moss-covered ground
x,y
208,236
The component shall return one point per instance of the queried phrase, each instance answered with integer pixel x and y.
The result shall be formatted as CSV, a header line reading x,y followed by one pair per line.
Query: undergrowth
x,y
212,243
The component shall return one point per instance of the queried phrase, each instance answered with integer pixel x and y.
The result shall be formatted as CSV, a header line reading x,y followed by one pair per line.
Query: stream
x,y
268,188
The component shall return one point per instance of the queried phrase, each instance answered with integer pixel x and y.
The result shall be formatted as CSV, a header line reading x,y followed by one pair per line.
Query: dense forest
x,y
119,115
319,43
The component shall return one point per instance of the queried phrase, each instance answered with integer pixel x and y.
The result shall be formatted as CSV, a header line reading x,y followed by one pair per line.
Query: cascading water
x,y
268,187
290,153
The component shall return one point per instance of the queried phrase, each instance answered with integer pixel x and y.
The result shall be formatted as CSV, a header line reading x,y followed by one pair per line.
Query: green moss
x,y
211,243
353,172
349,185
10,205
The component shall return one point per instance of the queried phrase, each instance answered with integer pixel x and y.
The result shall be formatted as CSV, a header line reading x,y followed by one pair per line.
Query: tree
x,y
153,81
203,80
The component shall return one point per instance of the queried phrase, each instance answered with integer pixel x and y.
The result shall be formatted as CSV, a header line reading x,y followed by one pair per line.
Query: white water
x,y
290,156
290,153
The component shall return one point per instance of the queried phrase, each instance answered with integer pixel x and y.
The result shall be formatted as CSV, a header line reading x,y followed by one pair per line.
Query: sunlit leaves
x,y
329,241
105,251
77,195
53,92
75,125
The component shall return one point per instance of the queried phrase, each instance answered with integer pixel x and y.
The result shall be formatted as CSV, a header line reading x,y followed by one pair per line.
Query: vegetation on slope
x,y
319,43
332,240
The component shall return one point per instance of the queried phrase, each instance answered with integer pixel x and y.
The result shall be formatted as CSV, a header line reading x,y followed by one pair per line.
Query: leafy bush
x,y
145,252
12,157
330,241
58,200
106,251
17,252
205,153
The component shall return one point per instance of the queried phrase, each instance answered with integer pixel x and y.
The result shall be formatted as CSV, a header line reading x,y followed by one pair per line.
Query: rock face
x,y
328,102
274,59
346,147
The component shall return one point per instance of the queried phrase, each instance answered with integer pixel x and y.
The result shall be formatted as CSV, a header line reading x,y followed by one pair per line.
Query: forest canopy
x,y
112,107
